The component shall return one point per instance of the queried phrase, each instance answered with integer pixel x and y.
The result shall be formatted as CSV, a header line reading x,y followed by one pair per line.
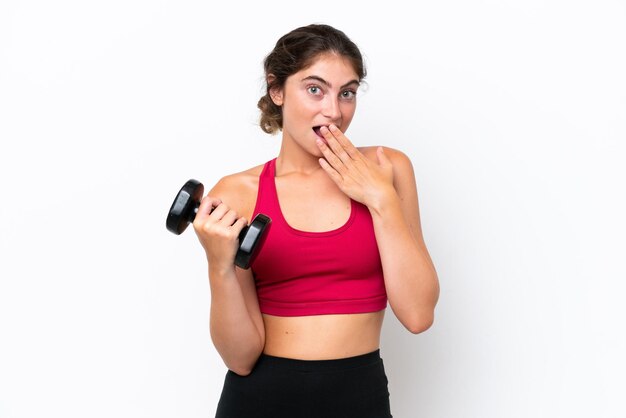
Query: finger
x,y
330,156
229,230
229,218
224,215
335,146
239,225
219,211
343,140
334,175
383,160
206,207
232,229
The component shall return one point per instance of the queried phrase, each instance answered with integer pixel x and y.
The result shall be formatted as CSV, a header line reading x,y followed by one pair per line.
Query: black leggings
x,y
280,387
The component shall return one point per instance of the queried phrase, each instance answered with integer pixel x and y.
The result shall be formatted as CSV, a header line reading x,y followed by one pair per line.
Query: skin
x,y
317,173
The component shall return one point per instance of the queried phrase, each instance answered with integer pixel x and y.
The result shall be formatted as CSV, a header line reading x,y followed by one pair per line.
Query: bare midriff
x,y
322,337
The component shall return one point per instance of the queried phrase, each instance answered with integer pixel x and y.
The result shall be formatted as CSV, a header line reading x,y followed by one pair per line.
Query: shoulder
x,y
239,190
238,181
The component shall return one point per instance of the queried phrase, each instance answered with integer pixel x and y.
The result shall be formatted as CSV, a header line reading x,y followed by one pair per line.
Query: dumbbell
x,y
183,212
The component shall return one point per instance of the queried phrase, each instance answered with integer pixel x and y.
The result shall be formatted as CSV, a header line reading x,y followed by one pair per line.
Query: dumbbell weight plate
x,y
184,208
251,238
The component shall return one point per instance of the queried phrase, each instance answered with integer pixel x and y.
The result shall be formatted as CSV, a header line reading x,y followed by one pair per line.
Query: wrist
x,y
219,272
383,200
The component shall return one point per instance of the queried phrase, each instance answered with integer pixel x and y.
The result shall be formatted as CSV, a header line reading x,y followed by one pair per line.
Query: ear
x,y
276,93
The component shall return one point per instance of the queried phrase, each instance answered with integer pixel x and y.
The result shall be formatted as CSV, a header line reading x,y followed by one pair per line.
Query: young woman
x,y
300,330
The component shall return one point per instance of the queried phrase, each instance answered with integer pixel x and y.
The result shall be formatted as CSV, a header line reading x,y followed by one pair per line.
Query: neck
x,y
293,158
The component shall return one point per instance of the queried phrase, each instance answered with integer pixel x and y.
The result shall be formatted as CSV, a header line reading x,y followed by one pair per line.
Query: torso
x,y
321,337
308,203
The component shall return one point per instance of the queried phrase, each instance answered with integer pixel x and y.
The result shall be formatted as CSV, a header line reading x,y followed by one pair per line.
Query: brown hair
x,y
297,50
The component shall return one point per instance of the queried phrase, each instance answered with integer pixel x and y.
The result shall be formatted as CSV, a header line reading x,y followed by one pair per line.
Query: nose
x,y
331,108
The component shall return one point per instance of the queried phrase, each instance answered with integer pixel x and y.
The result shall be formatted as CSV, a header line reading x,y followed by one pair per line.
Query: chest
x,y
313,205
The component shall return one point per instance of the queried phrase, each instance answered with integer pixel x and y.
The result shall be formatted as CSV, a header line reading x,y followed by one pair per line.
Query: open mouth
x,y
317,131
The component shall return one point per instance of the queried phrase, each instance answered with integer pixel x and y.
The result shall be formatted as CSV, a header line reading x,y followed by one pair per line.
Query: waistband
x,y
319,365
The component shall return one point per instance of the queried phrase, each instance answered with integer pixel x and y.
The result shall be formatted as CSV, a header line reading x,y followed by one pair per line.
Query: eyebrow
x,y
326,83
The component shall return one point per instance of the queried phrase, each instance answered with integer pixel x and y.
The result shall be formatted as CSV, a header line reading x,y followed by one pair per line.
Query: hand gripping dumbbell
x,y
183,212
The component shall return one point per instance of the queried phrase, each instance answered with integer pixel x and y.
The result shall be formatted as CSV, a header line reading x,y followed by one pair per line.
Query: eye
x,y
348,94
315,90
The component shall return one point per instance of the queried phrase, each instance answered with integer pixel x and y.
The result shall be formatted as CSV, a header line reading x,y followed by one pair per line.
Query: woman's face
x,y
316,96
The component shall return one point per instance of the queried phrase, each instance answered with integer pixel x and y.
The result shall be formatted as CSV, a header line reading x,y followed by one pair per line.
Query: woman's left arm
x,y
386,185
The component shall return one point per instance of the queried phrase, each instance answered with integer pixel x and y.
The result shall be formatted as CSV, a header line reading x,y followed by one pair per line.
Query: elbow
x,y
243,367
240,357
243,364
420,323
241,370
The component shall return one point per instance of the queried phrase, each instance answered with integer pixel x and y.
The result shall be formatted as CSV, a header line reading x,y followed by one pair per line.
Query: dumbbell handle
x,y
244,244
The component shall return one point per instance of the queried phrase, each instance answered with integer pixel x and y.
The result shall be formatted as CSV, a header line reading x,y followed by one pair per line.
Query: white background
x,y
513,113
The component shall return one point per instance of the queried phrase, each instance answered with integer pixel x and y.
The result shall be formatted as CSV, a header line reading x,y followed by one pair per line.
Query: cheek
x,y
308,106
347,112
302,113
295,119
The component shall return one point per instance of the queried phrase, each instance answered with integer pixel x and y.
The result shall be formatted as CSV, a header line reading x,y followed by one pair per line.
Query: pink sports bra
x,y
299,273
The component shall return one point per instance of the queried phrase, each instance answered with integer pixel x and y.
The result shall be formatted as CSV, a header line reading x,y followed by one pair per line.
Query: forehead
x,y
331,67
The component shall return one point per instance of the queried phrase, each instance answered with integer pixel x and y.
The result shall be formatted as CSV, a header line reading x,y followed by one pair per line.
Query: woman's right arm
x,y
237,328
236,322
